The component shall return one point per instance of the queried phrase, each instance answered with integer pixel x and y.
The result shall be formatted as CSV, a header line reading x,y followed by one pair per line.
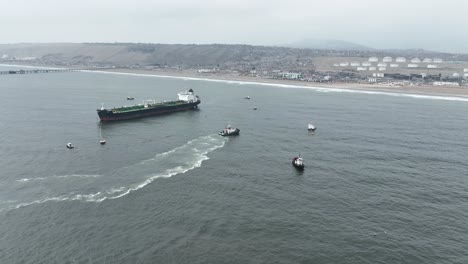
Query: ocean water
x,y
385,178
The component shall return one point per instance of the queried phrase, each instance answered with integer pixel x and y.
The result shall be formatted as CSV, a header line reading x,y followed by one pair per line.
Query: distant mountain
x,y
328,44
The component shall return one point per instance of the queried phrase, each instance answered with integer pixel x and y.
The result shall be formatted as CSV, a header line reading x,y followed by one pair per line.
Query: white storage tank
x,y
382,64
427,60
465,70
366,64
355,64
413,65
373,59
400,59
432,66
394,65
437,60
387,59
382,68
416,60
362,68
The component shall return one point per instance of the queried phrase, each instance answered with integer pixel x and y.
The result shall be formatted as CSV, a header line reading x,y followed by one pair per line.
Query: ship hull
x,y
108,115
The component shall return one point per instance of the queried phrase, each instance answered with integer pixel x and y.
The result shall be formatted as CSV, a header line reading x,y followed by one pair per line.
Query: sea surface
x,y
386,177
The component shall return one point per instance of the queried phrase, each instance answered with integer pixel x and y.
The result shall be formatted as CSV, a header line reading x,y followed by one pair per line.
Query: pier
x,y
47,70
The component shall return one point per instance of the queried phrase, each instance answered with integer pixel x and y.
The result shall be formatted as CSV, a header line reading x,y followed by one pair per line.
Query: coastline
x,y
452,93
438,92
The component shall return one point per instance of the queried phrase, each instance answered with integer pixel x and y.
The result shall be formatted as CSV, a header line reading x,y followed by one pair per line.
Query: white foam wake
x,y
318,89
58,177
185,158
173,162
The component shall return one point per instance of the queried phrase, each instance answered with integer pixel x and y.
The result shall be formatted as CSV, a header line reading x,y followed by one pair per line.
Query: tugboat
x,y
298,163
70,146
229,131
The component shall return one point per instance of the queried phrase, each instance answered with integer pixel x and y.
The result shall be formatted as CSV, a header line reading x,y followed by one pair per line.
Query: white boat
x,y
311,127
229,131
247,97
70,146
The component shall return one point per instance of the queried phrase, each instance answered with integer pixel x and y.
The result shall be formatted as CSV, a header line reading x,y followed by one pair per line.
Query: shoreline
x,y
452,93
456,93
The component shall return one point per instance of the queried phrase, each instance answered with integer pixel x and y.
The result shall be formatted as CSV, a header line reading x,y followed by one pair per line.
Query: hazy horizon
x,y
430,25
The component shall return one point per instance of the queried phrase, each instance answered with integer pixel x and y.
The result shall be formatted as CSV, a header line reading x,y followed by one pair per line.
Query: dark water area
x,y
385,178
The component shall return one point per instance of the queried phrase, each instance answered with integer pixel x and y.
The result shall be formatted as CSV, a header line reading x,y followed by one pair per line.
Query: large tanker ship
x,y
187,100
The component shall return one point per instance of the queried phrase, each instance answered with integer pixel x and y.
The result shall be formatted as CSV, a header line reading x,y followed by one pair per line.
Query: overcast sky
x,y
429,24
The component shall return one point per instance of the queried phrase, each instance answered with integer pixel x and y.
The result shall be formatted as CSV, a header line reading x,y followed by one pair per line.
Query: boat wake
x,y
127,179
57,177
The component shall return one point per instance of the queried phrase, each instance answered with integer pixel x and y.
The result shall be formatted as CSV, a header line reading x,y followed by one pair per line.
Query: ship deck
x,y
140,107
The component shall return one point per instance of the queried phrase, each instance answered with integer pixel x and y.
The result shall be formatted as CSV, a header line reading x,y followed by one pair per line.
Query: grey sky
x,y
429,24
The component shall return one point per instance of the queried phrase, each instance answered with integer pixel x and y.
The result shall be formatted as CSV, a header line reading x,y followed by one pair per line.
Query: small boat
x,y
130,98
255,108
229,131
247,97
311,127
102,141
298,163
70,146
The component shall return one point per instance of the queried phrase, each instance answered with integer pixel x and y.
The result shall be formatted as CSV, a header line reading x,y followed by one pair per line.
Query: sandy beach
x,y
424,90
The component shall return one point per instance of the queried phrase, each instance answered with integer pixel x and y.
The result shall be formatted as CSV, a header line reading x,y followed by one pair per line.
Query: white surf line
x,y
277,85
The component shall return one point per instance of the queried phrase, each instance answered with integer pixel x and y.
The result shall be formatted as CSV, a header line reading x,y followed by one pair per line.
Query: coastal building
x,y
373,59
381,64
394,65
4,56
344,64
289,75
361,68
456,75
432,66
427,60
416,60
437,60
366,64
372,68
378,74
465,70
382,68
400,59
206,70
372,80
413,65
387,59
336,64
446,83
355,64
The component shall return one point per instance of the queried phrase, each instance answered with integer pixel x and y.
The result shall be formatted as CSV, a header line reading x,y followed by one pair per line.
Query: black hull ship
x,y
187,101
